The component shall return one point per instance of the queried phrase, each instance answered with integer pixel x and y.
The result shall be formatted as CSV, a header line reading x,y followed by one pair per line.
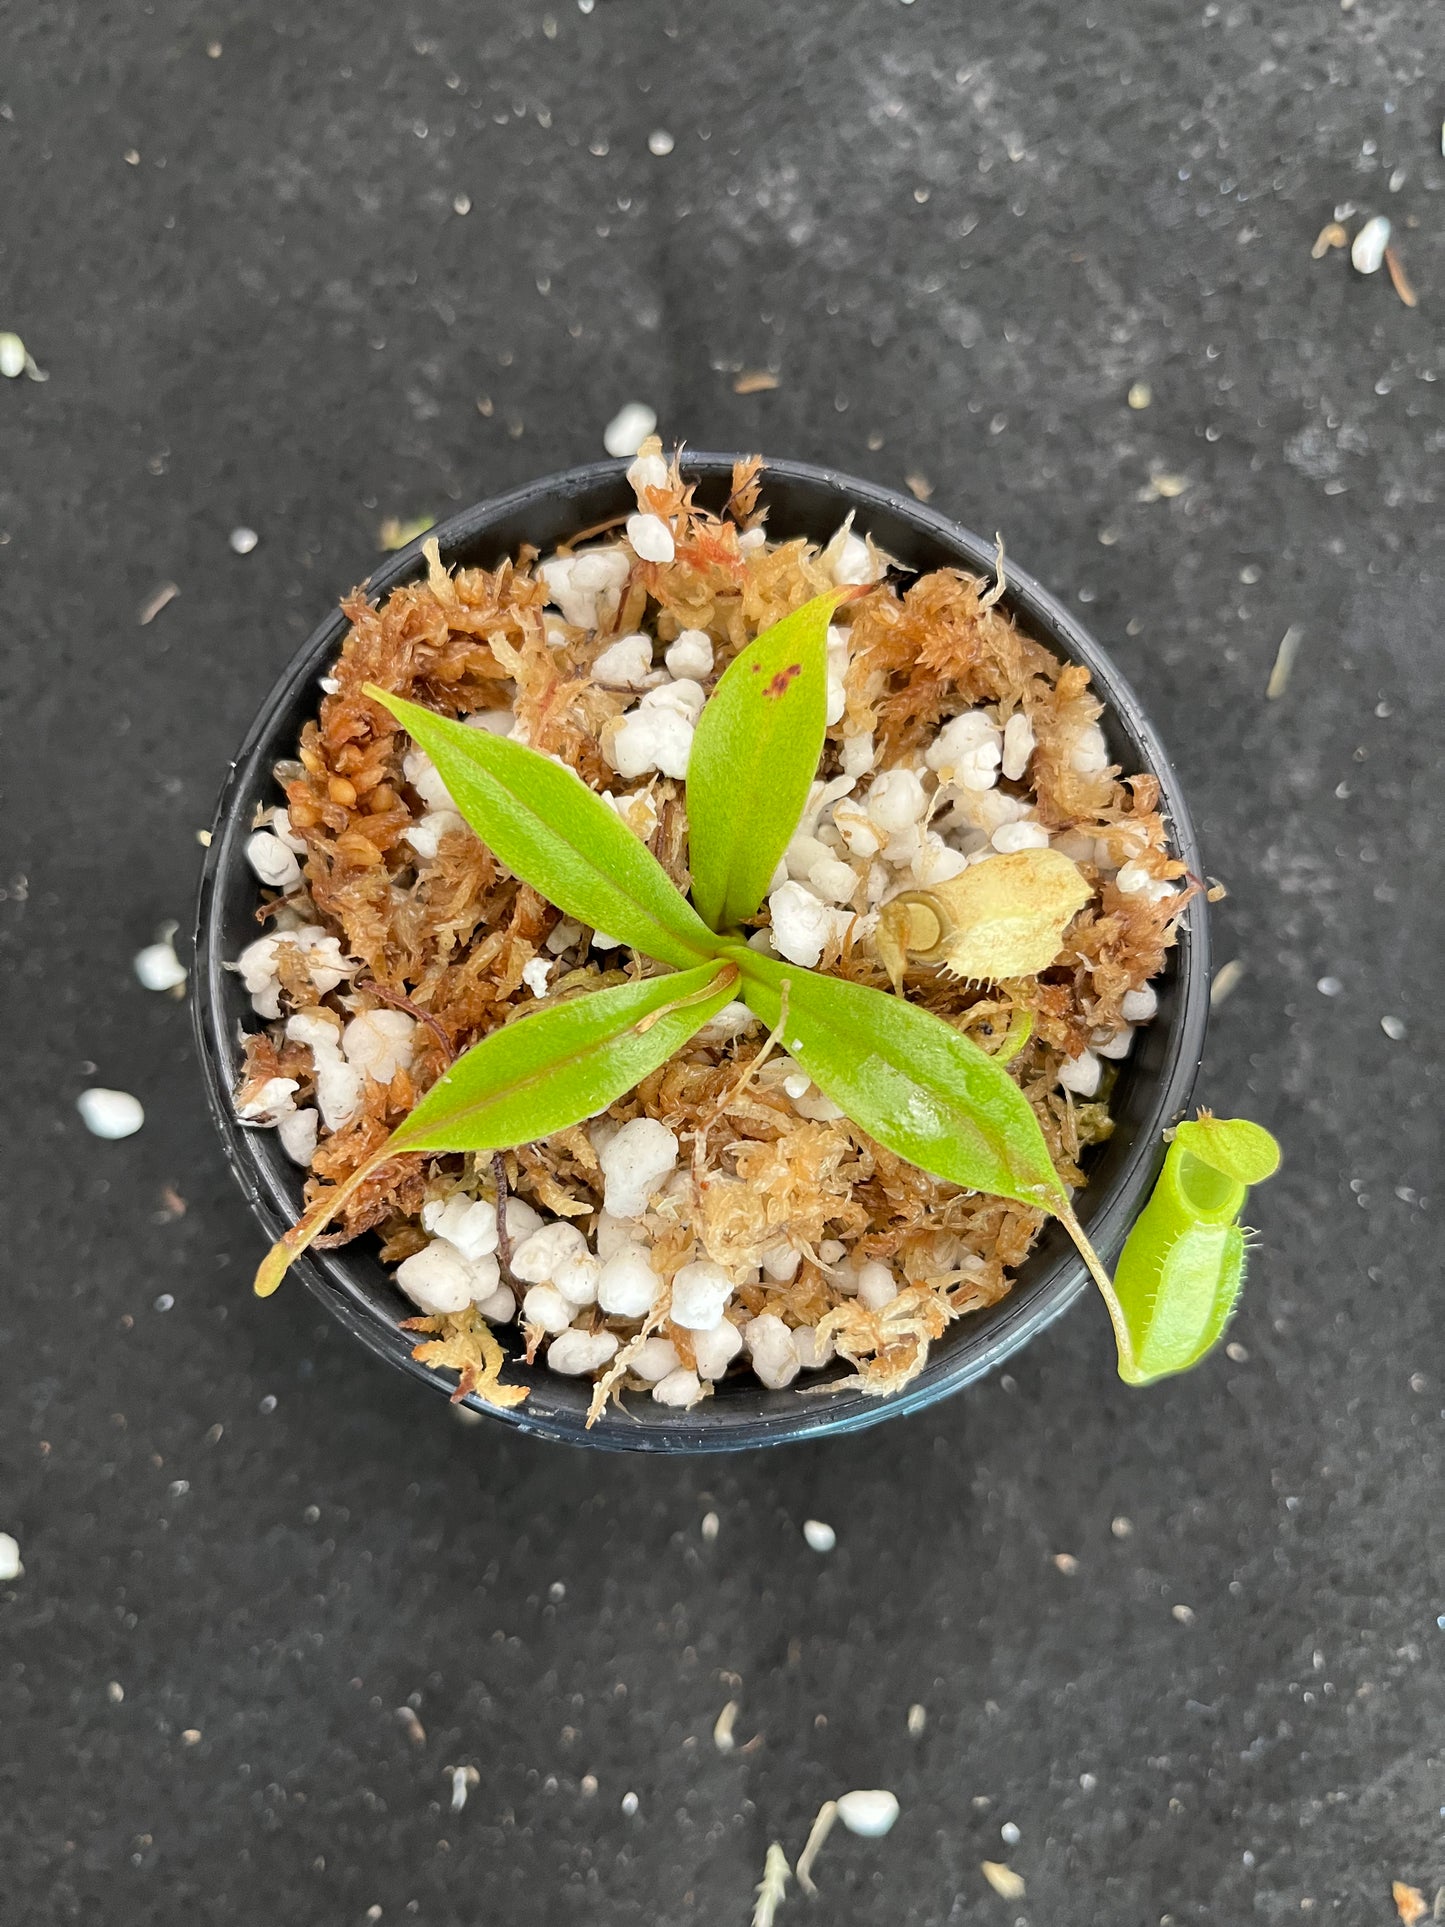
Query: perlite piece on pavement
x,y
629,428
110,1114
1367,250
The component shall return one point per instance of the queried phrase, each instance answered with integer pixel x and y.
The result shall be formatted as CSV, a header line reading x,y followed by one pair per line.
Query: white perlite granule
x,y
629,428
110,1114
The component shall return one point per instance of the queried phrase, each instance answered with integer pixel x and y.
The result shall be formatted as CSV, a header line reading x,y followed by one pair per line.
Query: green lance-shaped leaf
x,y
553,832
921,1089
1182,1266
910,1080
533,1077
754,756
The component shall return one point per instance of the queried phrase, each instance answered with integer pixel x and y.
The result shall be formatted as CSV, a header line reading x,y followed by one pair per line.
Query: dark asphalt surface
x,y
959,236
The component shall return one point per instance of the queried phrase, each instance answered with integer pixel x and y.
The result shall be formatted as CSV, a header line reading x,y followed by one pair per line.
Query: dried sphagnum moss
x,y
448,936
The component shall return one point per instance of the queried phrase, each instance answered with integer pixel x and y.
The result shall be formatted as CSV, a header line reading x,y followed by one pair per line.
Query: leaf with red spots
x,y
754,755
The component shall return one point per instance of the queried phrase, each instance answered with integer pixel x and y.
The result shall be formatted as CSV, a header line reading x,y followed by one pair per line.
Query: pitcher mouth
x,y
1156,1089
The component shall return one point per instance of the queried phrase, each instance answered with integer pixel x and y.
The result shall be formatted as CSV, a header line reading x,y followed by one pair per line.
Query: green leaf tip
x,y
921,1088
754,756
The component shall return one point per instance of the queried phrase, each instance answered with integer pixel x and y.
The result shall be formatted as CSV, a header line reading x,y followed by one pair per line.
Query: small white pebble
x,y
612,1234
660,142
896,801
699,1293
110,1114
683,694
651,538
1134,880
771,1348
627,1284
859,754
624,664
635,1161
158,967
243,540
1009,837
648,471
1138,1006
819,1535
715,1350
936,861
271,1103
498,1307
1116,1045
426,779
535,975
426,836
522,1220
273,863
545,1307
801,924
576,1278
1081,1074
1393,1027
877,1286
682,1388
711,1526
1367,250
1090,752
967,751
733,1020
12,356
850,819
469,1224
833,879
10,1566
436,1279
1329,986
574,1352
298,1132
917,1719
654,1359
852,563
537,1259
691,655
629,428
1009,1834
870,1812
629,1804
813,1352
1018,745
380,1043
340,1087
651,738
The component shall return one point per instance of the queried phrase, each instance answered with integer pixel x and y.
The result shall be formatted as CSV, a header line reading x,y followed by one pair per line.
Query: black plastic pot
x,y
1152,1090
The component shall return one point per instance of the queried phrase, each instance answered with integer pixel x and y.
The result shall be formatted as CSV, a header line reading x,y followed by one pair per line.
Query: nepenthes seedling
x,y
910,1080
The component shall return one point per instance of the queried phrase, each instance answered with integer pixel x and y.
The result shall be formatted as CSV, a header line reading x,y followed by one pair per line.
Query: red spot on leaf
x,y
779,685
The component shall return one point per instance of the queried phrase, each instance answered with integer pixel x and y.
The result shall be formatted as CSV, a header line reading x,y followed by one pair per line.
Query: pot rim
x,y
970,1348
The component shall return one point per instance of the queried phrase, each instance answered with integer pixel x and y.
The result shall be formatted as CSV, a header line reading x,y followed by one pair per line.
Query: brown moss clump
x,y
448,936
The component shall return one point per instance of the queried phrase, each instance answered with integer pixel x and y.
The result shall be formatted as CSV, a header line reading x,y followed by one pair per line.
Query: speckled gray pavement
x,y
959,235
